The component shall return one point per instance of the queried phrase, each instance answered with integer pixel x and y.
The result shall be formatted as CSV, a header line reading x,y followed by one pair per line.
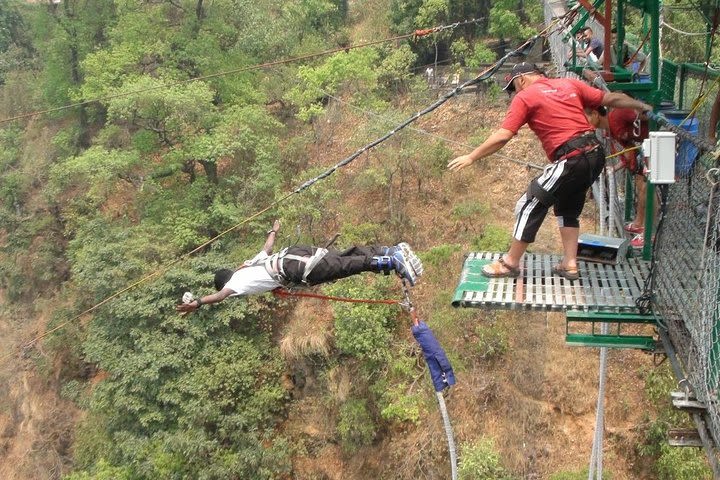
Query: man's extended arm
x,y
620,100
212,298
492,144
270,242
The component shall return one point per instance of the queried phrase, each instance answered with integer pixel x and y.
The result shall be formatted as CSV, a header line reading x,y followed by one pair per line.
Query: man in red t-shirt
x,y
555,110
627,127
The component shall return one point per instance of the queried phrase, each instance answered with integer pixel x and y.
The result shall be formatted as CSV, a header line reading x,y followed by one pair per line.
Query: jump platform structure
x,y
603,294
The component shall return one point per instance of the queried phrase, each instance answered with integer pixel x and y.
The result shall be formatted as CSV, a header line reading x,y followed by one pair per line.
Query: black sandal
x,y
567,273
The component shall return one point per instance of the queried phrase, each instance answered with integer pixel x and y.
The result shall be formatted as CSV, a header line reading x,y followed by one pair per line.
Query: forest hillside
x,y
160,124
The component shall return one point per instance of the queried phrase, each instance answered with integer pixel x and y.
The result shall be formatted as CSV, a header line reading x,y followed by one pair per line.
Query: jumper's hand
x,y
185,308
460,162
276,226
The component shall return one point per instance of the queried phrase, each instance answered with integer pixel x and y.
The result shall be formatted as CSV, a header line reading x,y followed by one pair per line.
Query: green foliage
x,y
10,144
682,464
94,175
577,475
671,462
469,210
677,46
492,340
361,234
481,55
432,12
64,37
506,24
480,461
363,330
374,178
434,159
439,255
192,397
493,92
314,209
172,112
395,69
354,70
13,186
459,50
493,239
471,56
103,471
400,407
355,425
106,257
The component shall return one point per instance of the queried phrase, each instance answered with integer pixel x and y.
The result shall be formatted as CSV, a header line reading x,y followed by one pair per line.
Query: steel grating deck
x,y
608,288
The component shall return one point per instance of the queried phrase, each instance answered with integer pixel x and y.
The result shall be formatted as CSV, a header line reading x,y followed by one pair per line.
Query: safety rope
x,y
406,304
283,293
415,35
677,30
484,75
621,152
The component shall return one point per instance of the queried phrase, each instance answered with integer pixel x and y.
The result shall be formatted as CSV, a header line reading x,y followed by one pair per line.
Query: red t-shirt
x,y
622,126
554,110
622,129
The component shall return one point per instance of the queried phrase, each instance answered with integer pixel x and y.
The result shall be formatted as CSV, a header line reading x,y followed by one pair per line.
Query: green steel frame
x,y
615,340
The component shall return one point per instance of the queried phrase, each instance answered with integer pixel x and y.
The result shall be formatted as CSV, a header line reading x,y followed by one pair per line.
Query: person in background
x,y
579,46
635,61
594,48
555,110
628,128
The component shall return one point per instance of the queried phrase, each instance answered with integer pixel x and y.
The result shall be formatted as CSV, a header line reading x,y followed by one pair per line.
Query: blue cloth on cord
x,y
441,371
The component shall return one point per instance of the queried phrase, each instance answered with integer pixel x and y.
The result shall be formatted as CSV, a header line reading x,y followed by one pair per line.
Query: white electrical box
x,y
661,153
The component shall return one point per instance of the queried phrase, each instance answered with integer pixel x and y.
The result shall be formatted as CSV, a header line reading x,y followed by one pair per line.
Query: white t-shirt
x,y
252,278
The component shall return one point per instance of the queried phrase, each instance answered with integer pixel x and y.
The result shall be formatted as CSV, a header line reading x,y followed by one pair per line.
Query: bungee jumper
x,y
302,266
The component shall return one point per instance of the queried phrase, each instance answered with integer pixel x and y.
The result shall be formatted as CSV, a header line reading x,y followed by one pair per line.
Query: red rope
x,y
423,32
280,292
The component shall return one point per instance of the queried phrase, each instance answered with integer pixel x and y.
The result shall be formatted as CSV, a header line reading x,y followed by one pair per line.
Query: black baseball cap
x,y
519,70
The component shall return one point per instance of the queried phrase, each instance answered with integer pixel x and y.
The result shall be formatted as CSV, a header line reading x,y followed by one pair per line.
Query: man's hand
x,y
460,162
276,226
185,308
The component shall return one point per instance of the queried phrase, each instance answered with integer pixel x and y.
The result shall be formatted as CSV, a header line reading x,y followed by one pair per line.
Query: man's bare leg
x,y
517,249
569,237
640,204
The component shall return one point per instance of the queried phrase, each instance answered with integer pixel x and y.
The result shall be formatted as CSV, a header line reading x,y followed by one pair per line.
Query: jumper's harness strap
x,y
274,265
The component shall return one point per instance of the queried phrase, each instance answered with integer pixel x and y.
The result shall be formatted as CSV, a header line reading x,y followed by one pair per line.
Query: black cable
x,y
645,301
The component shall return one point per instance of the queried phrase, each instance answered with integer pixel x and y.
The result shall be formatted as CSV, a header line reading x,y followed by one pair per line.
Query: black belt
x,y
581,144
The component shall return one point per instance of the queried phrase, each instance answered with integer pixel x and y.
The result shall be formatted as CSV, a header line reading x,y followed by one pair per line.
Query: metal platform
x,y
601,288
